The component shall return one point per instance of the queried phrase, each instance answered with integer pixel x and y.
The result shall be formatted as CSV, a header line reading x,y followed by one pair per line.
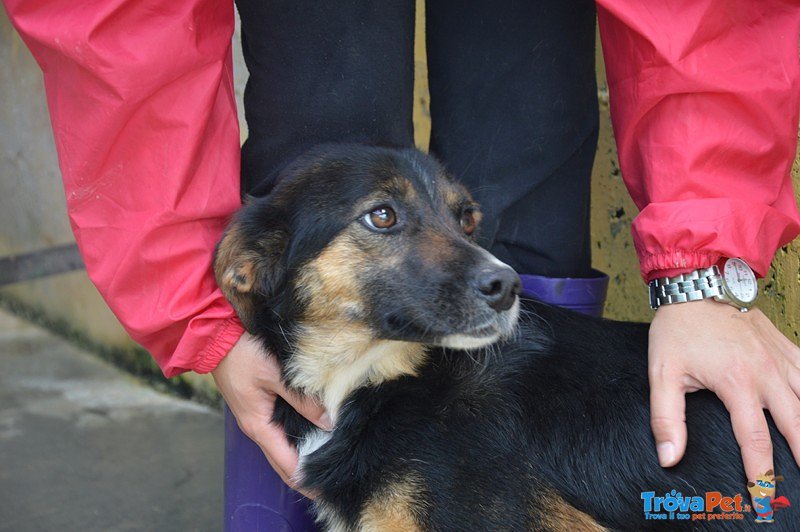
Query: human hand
x,y
742,358
249,380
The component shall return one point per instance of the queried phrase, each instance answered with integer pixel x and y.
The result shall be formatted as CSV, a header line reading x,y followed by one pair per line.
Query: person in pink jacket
x,y
704,100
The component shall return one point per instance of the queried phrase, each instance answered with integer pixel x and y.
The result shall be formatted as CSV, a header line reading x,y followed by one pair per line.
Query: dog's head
x,y
362,250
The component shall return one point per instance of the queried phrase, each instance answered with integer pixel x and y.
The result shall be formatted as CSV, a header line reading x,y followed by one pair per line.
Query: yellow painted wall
x,y
612,214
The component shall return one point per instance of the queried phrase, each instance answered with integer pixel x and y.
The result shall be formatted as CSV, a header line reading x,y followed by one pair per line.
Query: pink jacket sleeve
x,y
141,101
704,103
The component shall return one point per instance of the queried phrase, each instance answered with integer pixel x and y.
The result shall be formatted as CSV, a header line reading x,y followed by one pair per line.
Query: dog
x,y
457,404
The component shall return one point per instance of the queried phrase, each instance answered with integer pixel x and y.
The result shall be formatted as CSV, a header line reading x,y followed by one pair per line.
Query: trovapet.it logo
x,y
673,506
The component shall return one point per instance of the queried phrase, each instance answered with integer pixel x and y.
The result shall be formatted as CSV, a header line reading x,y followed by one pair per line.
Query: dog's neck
x,y
330,361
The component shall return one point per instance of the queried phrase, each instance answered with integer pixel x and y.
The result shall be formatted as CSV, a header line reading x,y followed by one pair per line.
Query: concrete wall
x,y
32,213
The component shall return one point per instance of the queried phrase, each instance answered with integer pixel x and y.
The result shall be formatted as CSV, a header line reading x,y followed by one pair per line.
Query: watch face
x,y
740,280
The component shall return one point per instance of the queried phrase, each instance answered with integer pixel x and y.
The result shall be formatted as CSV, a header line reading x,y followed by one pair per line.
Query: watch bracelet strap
x,y
705,283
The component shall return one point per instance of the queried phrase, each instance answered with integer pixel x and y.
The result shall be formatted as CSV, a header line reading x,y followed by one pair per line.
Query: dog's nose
x,y
498,286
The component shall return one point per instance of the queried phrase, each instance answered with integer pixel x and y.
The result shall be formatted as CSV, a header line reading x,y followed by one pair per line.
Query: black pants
x,y
513,104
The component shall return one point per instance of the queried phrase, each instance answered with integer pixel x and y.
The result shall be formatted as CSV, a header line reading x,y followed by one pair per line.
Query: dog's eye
x,y
468,222
383,217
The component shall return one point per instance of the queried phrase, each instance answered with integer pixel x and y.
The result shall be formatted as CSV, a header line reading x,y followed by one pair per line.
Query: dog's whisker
x,y
283,333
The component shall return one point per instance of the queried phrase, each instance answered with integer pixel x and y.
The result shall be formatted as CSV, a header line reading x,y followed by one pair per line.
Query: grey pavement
x,y
84,446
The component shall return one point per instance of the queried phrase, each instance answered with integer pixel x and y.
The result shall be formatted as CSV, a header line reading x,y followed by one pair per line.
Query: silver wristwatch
x,y
736,285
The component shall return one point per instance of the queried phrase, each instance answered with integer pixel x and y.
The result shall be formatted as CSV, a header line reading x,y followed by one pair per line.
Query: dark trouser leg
x,y
514,110
323,72
319,72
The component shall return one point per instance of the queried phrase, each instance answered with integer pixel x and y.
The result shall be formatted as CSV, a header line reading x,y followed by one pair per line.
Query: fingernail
x,y
666,453
325,422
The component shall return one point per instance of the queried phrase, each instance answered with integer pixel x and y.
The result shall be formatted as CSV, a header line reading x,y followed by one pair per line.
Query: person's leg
x,y
514,115
323,72
319,72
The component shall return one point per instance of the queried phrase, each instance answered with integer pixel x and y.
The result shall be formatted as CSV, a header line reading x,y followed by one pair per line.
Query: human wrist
x,y
733,283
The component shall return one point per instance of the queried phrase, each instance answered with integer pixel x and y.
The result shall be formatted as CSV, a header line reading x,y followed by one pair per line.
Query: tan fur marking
x,y
453,192
453,196
558,515
333,359
335,352
329,284
435,248
396,508
236,273
242,278
456,195
405,187
478,215
242,267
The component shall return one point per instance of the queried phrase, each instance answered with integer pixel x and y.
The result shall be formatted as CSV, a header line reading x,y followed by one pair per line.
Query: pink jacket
x,y
704,100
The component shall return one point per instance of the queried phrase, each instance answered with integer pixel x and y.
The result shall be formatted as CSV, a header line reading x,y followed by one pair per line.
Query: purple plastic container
x,y
587,295
257,500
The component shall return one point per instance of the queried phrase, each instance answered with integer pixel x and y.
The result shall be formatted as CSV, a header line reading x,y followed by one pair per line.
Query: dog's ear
x,y
248,266
750,484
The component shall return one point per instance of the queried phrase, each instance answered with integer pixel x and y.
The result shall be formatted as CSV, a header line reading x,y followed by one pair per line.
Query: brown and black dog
x,y
456,405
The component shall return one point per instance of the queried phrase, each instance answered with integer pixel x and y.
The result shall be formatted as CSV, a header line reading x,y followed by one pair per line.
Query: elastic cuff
x,y
229,333
674,262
